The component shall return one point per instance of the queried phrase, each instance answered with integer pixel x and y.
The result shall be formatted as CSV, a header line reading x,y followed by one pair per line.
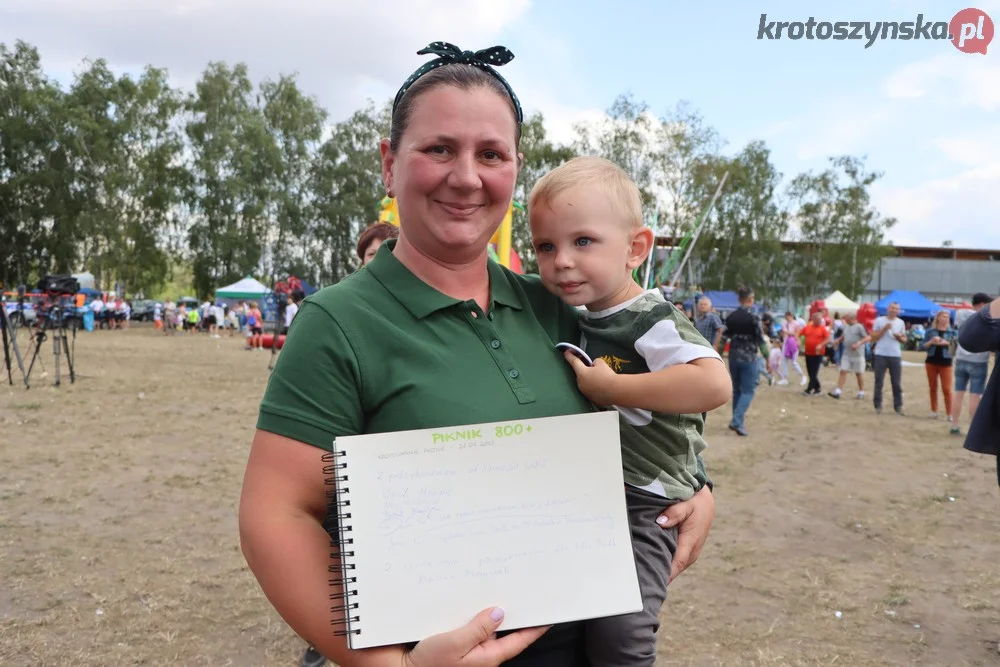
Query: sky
x,y
922,112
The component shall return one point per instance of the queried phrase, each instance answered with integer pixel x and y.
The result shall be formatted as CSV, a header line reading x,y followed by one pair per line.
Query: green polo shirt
x,y
383,351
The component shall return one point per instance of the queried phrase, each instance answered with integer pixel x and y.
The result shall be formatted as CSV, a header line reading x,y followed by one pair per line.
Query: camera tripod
x,y
53,319
9,343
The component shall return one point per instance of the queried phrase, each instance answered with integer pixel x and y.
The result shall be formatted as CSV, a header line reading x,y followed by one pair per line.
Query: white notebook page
x,y
528,515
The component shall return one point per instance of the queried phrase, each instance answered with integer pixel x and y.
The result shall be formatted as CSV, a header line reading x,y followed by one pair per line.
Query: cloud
x,y
951,79
845,128
342,51
961,207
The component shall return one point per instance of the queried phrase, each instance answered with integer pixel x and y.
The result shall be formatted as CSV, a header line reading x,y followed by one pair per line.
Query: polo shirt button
x,y
513,374
495,344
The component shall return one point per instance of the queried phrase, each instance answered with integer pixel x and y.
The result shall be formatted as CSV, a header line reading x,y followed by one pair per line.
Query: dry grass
x,y
118,540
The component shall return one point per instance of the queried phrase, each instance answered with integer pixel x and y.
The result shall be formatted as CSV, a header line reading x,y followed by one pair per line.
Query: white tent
x,y
248,288
837,302
86,279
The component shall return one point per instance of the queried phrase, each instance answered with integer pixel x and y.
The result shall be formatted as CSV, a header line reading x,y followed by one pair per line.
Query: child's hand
x,y
595,382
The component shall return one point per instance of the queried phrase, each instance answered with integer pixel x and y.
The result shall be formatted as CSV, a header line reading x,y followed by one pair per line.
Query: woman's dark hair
x,y
463,77
377,231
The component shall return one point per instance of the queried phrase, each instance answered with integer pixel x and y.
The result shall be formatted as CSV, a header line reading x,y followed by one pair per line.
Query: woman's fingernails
x,y
662,520
497,614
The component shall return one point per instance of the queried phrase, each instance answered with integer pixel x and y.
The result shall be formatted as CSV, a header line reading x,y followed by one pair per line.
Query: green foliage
x,y
168,194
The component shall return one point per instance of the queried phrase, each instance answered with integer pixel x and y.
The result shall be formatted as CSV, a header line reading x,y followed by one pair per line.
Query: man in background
x,y
970,367
708,323
887,333
746,339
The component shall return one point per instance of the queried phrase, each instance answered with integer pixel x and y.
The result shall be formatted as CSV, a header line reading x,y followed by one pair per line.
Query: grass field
x,y
119,545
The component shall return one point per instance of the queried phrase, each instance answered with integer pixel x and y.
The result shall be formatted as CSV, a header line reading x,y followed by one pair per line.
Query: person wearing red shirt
x,y
815,337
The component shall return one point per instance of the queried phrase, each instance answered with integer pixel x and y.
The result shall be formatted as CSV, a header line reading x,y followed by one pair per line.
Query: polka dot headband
x,y
485,59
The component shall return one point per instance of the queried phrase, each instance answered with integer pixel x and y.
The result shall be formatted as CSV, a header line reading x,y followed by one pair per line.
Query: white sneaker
x,y
804,382
782,382
933,415
860,396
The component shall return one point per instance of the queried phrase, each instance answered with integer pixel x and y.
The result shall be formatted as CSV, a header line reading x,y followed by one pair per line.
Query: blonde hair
x,y
596,172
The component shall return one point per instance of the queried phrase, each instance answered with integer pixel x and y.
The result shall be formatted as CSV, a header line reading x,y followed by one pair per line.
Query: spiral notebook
x,y
438,524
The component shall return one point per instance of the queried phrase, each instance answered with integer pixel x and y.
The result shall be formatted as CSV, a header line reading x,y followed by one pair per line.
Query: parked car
x,y
142,310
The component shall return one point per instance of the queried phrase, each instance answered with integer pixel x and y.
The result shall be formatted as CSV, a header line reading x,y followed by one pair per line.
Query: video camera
x,y
63,285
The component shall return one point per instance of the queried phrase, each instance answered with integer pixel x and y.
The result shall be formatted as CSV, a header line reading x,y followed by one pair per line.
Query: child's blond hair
x,y
595,172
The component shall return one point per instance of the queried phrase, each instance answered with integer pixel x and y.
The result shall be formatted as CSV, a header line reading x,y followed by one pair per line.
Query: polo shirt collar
x,y
420,298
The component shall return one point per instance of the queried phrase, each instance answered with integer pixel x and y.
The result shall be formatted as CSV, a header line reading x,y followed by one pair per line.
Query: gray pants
x,y
894,364
629,640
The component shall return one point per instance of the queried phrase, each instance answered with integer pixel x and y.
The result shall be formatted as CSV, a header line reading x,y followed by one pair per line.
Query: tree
x,y
33,164
295,123
346,182
233,160
742,239
625,136
540,157
841,233
684,144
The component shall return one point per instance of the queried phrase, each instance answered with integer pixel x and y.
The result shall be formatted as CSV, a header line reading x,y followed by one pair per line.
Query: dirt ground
x,y
118,536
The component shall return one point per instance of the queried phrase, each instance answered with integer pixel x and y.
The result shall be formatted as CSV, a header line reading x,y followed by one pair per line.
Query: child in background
x,y
790,349
650,363
774,362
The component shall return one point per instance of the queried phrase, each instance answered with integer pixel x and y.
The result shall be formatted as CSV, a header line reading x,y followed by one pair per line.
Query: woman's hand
x,y
693,518
475,645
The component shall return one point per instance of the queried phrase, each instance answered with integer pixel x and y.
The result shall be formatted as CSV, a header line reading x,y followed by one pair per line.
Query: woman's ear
x,y
388,160
641,245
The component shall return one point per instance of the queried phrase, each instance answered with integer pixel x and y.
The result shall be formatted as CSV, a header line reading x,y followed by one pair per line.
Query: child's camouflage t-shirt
x,y
659,450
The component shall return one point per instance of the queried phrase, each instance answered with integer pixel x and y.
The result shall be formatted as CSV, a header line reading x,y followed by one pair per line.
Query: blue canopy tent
x,y
89,292
913,306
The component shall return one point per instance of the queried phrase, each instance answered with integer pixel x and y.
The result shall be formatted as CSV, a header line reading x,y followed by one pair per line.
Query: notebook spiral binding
x,y
338,502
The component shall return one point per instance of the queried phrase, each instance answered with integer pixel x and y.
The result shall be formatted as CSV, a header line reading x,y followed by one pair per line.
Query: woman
x,y
372,238
981,333
937,343
377,351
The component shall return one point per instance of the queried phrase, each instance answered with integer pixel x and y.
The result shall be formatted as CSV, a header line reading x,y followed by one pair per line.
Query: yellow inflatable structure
x,y
501,243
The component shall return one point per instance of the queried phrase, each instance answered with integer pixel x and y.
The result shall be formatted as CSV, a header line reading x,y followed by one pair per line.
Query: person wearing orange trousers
x,y
938,343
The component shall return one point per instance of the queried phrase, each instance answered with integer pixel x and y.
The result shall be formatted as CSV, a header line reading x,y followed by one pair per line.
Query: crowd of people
x,y
845,343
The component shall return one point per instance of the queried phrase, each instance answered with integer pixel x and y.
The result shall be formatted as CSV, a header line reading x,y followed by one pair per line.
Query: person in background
x,y
888,333
169,317
255,322
815,336
97,306
834,349
708,323
372,238
937,343
232,320
209,321
746,341
853,339
157,316
774,365
192,321
294,299
790,352
981,334
971,368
